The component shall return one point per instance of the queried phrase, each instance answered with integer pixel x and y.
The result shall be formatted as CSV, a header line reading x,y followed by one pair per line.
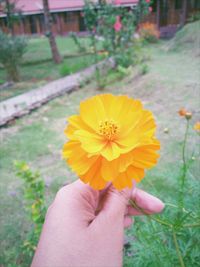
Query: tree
x,y
12,49
48,22
13,14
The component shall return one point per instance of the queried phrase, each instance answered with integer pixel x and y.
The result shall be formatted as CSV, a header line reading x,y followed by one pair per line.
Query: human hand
x,y
85,227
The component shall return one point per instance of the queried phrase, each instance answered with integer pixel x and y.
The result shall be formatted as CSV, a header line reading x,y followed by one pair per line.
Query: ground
x,y
171,83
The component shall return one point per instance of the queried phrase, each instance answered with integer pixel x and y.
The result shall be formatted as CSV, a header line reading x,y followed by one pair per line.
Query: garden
x,y
164,76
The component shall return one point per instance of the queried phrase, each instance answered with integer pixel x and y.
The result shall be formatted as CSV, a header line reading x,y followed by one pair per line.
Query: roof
x,y
36,6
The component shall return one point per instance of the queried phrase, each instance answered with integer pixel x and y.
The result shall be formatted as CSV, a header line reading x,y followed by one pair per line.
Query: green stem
x,y
192,225
97,74
134,205
184,166
178,249
192,214
184,143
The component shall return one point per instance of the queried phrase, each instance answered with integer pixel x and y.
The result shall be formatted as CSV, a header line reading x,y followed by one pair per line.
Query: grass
x,y
187,39
171,83
36,75
38,48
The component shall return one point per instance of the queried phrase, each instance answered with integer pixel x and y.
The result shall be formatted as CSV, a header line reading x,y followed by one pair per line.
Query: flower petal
x,y
109,169
68,148
122,181
135,173
78,123
92,112
79,161
90,142
111,151
69,131
93,176
144,157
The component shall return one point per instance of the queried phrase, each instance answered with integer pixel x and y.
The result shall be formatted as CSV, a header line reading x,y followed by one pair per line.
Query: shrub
x,y
2,81
125,58
81,47
171,238
194,17
12,49
116,26
144,69
149,32
33,189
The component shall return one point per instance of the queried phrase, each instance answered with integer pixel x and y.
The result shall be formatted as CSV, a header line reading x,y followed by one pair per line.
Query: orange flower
x,y
182,112
197,126
112,140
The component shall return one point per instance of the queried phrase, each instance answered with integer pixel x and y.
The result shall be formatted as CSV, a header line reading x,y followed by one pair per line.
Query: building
x,y
67,15
172,12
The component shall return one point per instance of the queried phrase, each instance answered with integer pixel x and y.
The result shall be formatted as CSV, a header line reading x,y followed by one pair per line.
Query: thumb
x,y
115,203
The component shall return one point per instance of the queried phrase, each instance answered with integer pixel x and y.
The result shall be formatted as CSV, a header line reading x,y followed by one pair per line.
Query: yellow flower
x,y
112,140
197,126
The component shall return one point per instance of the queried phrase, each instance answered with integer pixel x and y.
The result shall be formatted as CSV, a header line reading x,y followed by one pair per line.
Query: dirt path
x,y
20,105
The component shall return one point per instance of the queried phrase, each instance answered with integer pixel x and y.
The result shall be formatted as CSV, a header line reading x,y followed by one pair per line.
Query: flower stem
x,y
134,205
184,143
178,249
192,214
183,176
192,225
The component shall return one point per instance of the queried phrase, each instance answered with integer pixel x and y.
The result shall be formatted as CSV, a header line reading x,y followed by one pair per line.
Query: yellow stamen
x,y
108,129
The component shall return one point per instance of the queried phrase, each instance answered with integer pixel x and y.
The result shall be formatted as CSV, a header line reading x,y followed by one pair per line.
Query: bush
x,y
171,238
125,58
81,47
149,32
34,190
144,69
194,17
11,52
116,26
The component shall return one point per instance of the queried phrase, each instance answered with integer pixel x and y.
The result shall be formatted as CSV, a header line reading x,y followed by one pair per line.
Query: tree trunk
x,y
158,14
9,17
184,12
48,23
12,72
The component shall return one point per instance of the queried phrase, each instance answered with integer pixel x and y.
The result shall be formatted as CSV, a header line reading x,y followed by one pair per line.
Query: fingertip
x,y
160,205
156,204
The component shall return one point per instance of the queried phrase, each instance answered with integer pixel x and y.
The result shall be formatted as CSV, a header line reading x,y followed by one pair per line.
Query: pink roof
x,y
36,6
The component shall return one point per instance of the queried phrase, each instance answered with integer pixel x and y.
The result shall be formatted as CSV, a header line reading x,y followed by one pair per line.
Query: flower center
x,y
108,129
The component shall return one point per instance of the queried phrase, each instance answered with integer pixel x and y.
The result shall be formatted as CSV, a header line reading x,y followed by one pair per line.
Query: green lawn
x,y
172,83
38,48
36,75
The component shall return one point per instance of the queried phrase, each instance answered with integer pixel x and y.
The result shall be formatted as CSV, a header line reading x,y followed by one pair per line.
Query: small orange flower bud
x,y
182,112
